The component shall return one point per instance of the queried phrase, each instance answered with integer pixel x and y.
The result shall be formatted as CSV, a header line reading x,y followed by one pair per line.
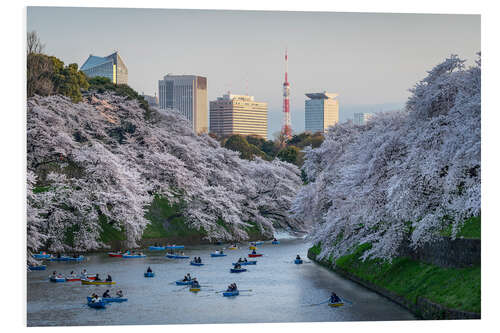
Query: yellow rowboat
x,y
194,289
252,247
336,304
232,248
97,282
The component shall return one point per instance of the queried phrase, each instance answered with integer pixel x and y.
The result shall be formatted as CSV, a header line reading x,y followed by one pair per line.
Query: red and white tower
x,y
286,130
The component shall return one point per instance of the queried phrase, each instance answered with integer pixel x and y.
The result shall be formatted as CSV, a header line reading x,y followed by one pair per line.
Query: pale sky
x,y
370,60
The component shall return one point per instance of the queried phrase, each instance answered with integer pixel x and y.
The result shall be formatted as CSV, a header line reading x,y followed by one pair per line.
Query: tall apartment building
x,y
238,114
188,95
361,118
111,66
322,111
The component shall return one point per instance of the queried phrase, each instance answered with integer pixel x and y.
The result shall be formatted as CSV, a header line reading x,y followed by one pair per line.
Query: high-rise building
x,y
238,114
322,111
111,66
152,100
188,95
361,118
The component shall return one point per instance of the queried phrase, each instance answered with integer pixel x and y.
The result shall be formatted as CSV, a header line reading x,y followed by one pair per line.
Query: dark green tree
x,y
290,154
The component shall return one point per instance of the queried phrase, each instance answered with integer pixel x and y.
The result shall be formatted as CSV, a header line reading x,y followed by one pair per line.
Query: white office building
x,y
361,118
188,95
322,111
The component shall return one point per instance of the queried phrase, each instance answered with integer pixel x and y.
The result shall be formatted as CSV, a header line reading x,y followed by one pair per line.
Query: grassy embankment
x,y
455,288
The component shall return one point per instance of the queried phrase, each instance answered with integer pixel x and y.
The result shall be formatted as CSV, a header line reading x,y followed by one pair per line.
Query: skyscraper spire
x,y
286,130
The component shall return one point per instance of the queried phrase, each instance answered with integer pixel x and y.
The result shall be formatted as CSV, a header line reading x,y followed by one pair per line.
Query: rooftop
x,y
322,95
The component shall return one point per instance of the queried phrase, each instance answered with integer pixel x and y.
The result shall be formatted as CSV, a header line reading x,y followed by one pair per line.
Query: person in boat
x,y
119,293
94,297
245,260
106,294
240,260
108,279
298,257
156,244
221,251
216,251
97,278
195,284
237,266
334,298
199,260
149,270
275,240
58,255
254,252
54,273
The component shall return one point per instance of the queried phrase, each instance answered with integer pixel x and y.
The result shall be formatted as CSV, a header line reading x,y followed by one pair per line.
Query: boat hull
x,y
114,255
254,255
127,256
97,305
336,305
174,247
110,300
156,248
237,270
217,255
196,263
87,282
149,274
37,268
57,279
251,262
183,283
174,256
298,261
230,293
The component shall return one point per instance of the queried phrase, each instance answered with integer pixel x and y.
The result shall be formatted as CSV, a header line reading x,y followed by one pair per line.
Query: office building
x,y
361,118
238,114
111,67
322,111
152,100
188,95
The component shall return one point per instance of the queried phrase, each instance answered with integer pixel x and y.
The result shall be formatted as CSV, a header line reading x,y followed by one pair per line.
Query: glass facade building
x,y
321,111
188,95
111,66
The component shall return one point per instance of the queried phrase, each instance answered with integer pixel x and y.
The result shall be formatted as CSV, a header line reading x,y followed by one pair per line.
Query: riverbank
x,y
427,290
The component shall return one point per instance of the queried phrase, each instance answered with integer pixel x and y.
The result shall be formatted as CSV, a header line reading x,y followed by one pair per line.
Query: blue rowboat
x,y
156,248
41,255
57,279
97,305
237,270
37,268
217,255
176,256
131,256
174,247
231,293
80,258
259,243
275,242
196,263
110,299
63,258
298,261
149,274
251,262
183,283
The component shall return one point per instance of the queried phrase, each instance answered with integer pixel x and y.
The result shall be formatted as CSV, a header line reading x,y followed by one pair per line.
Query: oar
x,y
246,290
316,303
345,300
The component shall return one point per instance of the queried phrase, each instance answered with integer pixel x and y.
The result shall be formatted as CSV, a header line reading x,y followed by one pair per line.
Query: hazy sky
x,y
370,60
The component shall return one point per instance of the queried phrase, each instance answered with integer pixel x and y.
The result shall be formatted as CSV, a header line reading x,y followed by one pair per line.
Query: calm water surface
x,y
281,291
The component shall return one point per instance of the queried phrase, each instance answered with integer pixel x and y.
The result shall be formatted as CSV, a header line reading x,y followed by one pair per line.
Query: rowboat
x,y
298,261
41,255
72,279
115,254
196,263
97,305
80,258
275,242
337,304
244,263
250,255
217,255
183,283
231,293
195,289
149,274
89,282
37,268
156,248
110,299
233,248
237,270
259,243
132,256
57,279
57,258
176,256
174,247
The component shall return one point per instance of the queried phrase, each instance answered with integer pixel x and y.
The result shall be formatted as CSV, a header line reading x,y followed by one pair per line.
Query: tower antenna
x,y
286,130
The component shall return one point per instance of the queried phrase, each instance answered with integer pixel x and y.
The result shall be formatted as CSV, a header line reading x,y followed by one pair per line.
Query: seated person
x,y
108,279
149,270
254,252
334,298
195,284
119,293
106,294
97,278
298,257
245,260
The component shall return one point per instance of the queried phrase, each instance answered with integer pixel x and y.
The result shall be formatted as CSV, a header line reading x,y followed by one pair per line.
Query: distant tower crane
x,y
286,130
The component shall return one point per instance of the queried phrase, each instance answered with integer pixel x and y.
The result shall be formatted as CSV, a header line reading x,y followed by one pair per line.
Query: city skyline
x,y
242,51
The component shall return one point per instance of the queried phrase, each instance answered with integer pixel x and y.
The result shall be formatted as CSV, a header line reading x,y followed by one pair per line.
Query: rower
x,y
149,270
195,284
245,260
240,260
97,278
119,293
298,257
108,279
237,266
106,294
334,298
254,252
